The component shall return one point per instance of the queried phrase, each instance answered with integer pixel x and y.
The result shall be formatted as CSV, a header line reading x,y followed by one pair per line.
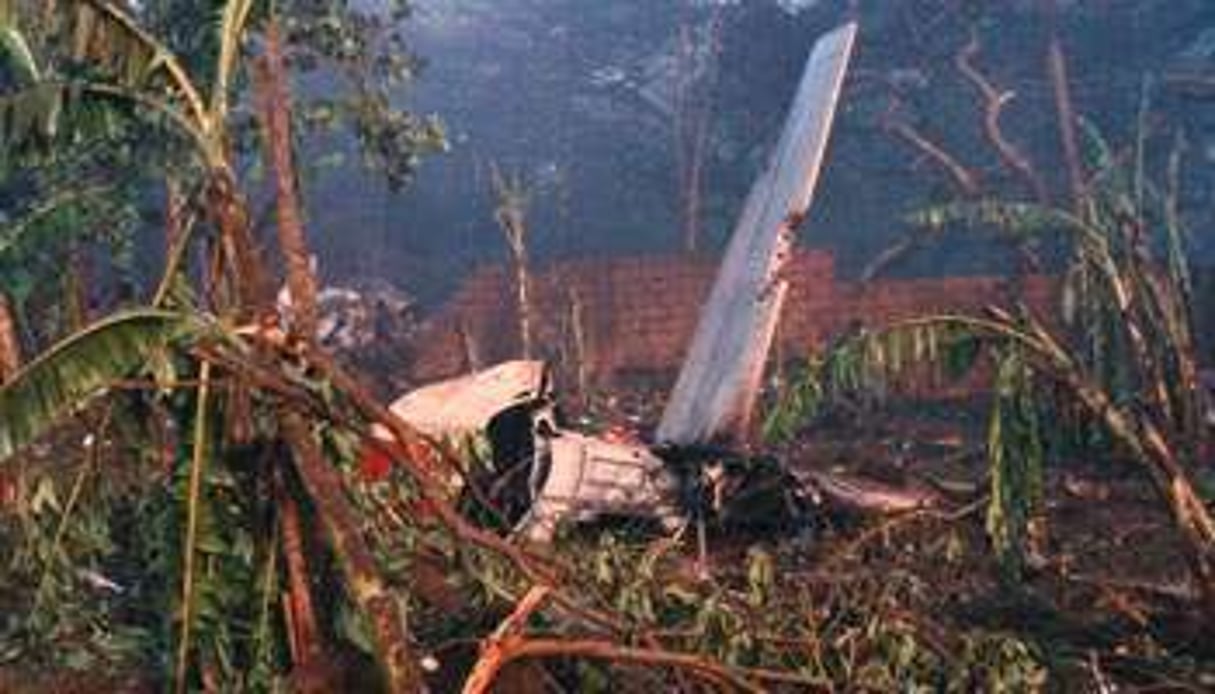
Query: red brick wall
x,y
639,313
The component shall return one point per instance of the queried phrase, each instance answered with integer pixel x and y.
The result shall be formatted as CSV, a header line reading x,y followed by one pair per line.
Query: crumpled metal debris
x,y
466,404
577,477
586,477
357,316
561,475
866,495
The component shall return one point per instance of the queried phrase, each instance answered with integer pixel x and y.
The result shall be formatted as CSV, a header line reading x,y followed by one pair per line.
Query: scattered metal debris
x,y
866,495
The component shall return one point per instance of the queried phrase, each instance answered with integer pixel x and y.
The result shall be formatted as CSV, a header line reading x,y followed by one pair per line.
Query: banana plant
x,y
101,65
82,366
117,61
1120,349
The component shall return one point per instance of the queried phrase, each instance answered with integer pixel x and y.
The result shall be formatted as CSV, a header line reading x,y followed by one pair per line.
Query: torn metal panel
x,y
719,380
585,477
465,405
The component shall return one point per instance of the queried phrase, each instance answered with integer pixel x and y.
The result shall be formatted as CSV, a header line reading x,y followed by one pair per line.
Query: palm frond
x,y
231,31
16,51
81,367
1018,220
107,37
35,118
943,346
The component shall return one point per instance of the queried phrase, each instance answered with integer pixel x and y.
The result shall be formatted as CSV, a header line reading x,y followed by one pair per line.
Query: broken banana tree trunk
x,y
366,587
717,387
275,115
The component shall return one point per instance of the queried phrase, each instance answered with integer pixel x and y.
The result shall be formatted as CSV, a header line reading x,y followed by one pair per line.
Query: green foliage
x,y
98,97
848,634
79,367
70,166
367,50
58,609
994,662
213,515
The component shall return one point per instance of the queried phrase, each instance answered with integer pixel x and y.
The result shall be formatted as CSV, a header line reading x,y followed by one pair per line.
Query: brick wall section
x,y
639,313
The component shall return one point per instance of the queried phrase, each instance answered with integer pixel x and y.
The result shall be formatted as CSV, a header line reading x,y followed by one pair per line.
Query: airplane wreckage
x,y
540,474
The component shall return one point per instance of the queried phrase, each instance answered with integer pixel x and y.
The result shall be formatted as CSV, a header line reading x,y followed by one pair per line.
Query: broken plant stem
x,y
198,459
518,647
491,661
276,121
363,581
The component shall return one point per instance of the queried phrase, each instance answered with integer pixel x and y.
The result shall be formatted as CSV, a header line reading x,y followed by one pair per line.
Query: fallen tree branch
x,y
518,648
491,661
422,458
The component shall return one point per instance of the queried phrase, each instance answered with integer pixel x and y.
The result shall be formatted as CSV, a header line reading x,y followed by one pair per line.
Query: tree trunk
x,y
275,108
363,582
230,211
305,633
696,66
578,352
511,215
